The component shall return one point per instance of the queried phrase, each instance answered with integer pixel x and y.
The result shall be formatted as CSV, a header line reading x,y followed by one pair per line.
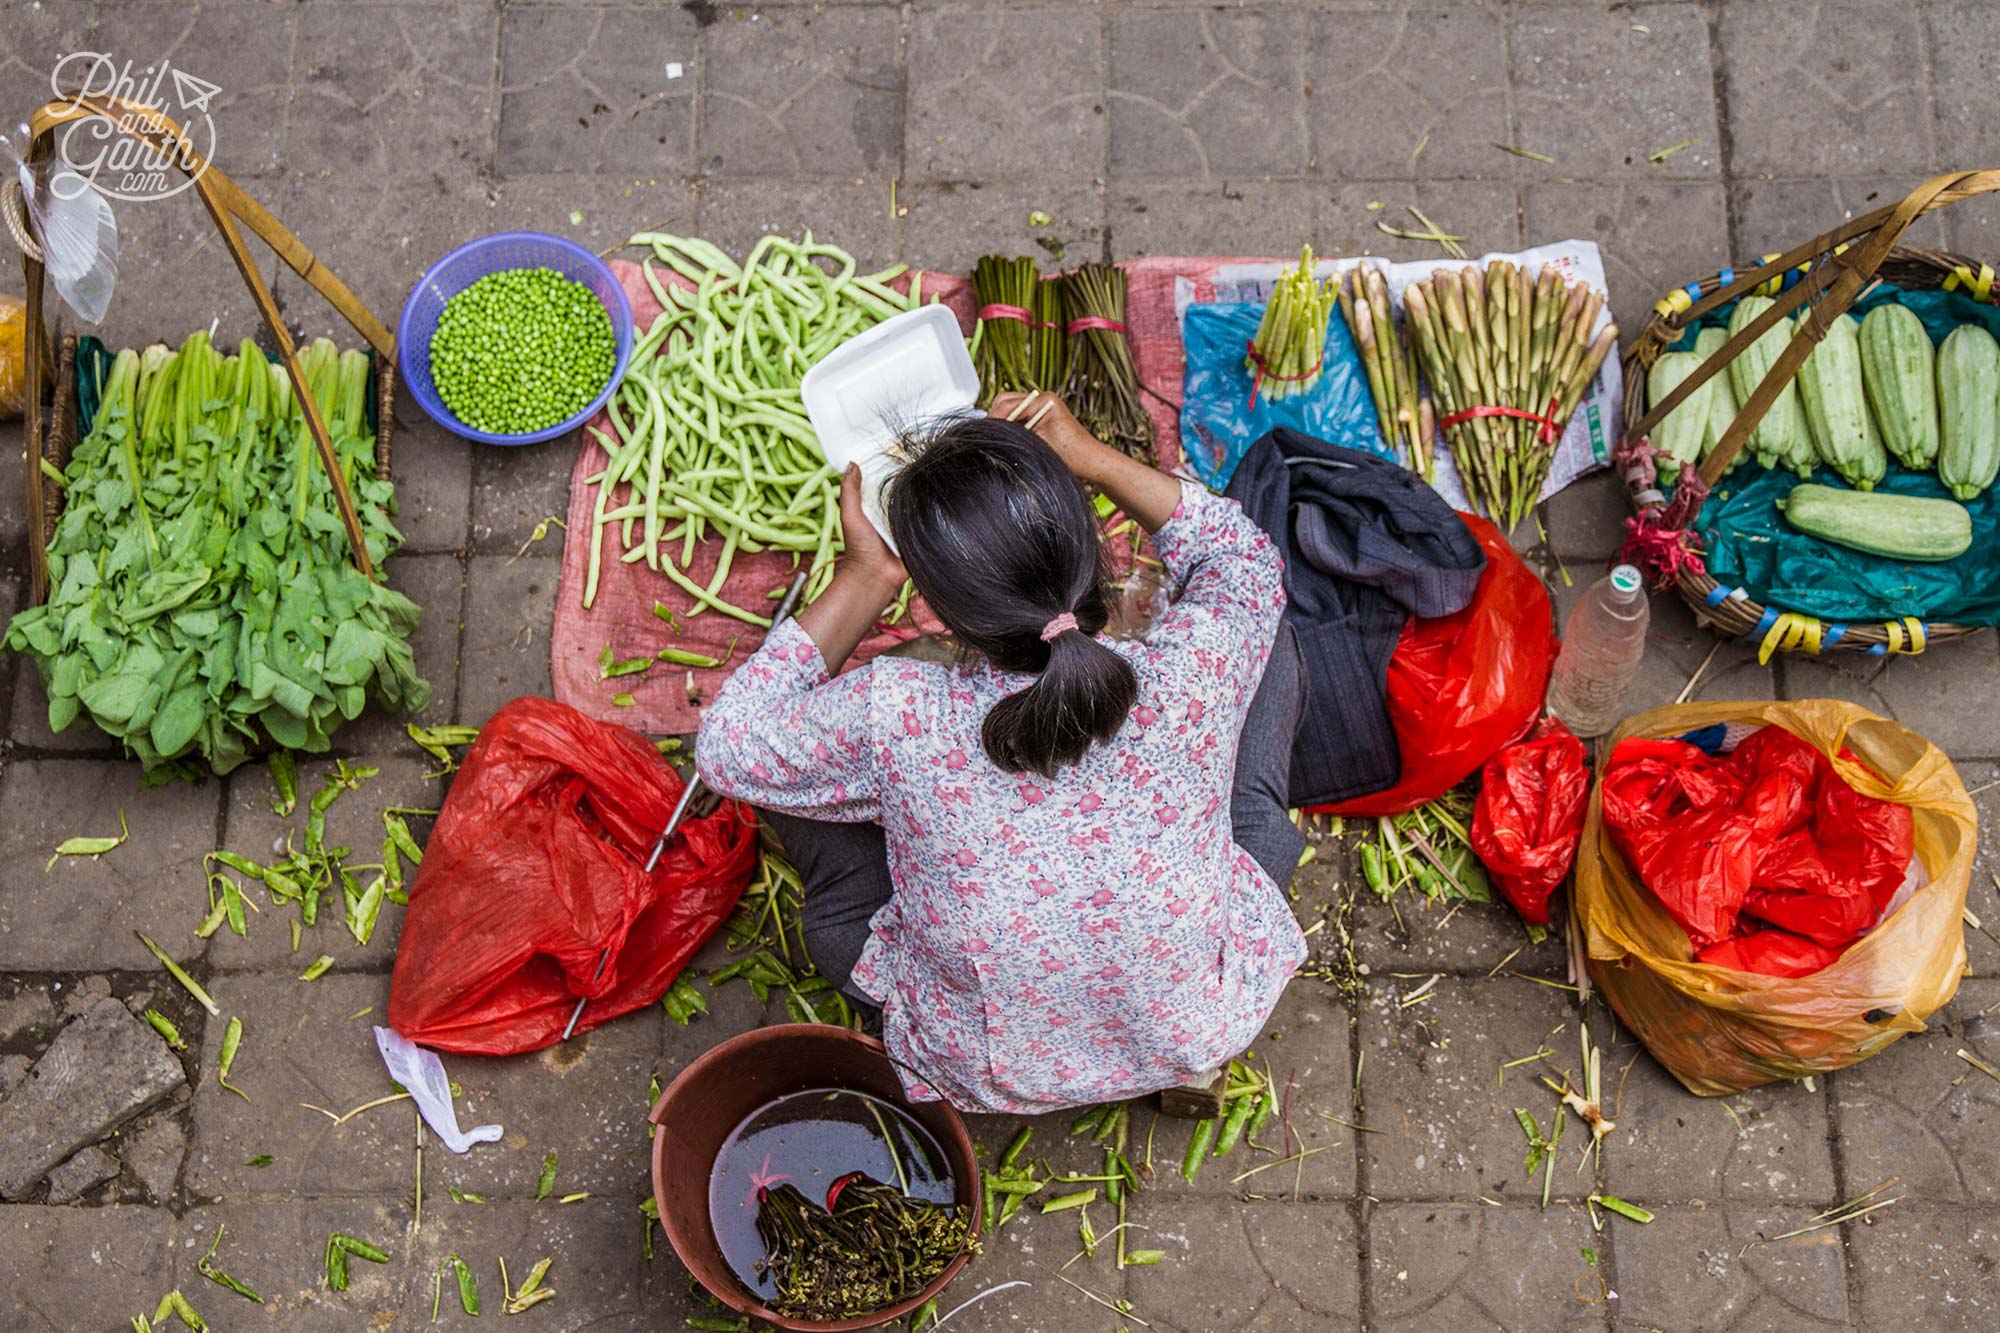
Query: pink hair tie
x,y
1062,624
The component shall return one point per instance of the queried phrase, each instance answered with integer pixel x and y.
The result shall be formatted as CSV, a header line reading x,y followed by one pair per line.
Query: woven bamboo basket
x,y
52,430
1822,278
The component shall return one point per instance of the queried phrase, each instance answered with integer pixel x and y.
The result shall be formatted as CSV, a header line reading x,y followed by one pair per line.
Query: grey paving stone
x,y
103,1066
83,1172
300,1045
1693,1268
1413,934
1920,1114
189,278
1677,645
76,1268
1586,521
437,584
424,81
1955,35
254,829
433,472
13,1069
1213,92
950,225
1974,226
1927,1268
36,36
515,488
1308,1048
1468,1265
586,89
1384,80
1927,695
1010,96
1029,1250
732,1009
1645,91
1227,218
1235,1266
505,653
279,1250
13,522
1431,1086
28,718
1487,214
153,1152
800,93
29,1014
852,214
81,913
584,1100
1982,896
246,53
1653,236
598,1269
1764,1144
1852,102
1772,216
599,213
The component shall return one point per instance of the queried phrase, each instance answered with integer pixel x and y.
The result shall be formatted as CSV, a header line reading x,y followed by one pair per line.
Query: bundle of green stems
x,y
1495,339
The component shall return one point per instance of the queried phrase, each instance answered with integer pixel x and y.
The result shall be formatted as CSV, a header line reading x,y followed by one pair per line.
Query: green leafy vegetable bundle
x,y
202,594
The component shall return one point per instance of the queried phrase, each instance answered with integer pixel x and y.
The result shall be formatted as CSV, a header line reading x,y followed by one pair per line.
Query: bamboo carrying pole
x,y
227,206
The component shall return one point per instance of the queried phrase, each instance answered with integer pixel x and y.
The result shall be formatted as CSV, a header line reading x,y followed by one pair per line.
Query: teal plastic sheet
x,y
1752,547
1218,425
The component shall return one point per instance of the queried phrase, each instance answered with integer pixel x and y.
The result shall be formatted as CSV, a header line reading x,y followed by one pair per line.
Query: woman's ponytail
x,y
1081,698
1002,543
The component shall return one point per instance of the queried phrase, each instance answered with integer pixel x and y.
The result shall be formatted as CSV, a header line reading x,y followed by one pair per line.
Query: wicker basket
x,y
1823,277
51,432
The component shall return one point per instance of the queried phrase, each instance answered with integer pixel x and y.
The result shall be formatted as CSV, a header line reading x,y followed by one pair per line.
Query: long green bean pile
x,y
709,436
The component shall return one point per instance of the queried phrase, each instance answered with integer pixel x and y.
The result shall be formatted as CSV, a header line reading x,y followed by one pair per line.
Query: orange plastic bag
x,y
1720,1031
1463,685
13,356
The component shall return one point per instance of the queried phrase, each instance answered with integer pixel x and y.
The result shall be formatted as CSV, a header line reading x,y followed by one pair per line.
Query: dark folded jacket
x,y
1367,545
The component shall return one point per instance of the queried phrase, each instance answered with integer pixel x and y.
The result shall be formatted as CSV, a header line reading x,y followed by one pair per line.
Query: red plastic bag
x,y
1463,685
537,866
1529,816
1768,830
1772,953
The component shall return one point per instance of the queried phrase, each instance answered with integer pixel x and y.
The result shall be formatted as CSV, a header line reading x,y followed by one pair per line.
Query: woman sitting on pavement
x,y
1057,866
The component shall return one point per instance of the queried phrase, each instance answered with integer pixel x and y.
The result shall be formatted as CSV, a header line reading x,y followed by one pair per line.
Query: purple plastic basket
x,y
494,254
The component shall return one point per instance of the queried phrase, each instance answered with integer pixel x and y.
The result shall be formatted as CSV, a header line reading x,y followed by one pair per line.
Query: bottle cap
x,y
1625,578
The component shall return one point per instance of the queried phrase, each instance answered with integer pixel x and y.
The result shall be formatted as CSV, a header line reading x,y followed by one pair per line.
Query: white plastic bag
x,y
423,1074
76,230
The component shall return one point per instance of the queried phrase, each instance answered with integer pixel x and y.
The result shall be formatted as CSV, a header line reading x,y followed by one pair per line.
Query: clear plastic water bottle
x,y
1602,645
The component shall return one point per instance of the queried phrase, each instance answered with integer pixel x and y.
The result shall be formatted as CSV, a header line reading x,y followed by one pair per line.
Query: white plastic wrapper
x,y
423,1074
77,232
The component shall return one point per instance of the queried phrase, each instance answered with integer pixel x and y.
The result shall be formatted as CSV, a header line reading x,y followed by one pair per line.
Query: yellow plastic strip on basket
x,y
1895,633
1980,285
1787,632
1776,281
1673,303
1907,636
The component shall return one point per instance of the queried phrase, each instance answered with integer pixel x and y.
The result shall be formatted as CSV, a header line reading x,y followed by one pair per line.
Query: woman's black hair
x,y
1000,540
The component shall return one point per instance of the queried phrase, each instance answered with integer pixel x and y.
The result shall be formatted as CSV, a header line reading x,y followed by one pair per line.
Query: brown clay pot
x,y
720,1089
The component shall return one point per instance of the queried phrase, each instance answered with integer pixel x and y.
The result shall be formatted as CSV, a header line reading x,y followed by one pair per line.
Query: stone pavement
x,y
386,133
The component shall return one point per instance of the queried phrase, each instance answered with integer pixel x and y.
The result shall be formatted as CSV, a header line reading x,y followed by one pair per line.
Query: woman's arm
x,y
865,581
1145,493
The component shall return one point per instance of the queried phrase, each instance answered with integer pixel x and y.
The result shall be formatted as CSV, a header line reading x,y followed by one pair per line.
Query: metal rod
x,y
694,788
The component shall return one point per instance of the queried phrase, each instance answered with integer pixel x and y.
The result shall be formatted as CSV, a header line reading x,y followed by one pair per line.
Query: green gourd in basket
x,y
1969,403
1837,412
1899,371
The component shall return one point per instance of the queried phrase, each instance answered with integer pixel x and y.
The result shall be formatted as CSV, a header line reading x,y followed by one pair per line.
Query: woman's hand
x,y
1148,495
865,551
865,581
1056,426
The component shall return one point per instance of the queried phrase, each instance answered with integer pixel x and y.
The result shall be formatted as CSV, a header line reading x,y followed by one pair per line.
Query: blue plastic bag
x,y
1218,425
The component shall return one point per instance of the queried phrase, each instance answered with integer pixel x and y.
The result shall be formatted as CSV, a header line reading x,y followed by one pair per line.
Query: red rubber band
x,y
1548,434
1264,372
1082,322
834,1190
1016,312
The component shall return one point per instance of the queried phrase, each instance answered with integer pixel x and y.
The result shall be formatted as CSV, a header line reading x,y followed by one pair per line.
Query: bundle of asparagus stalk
x,y
1408,423
1103,387
1508,360
1290,346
